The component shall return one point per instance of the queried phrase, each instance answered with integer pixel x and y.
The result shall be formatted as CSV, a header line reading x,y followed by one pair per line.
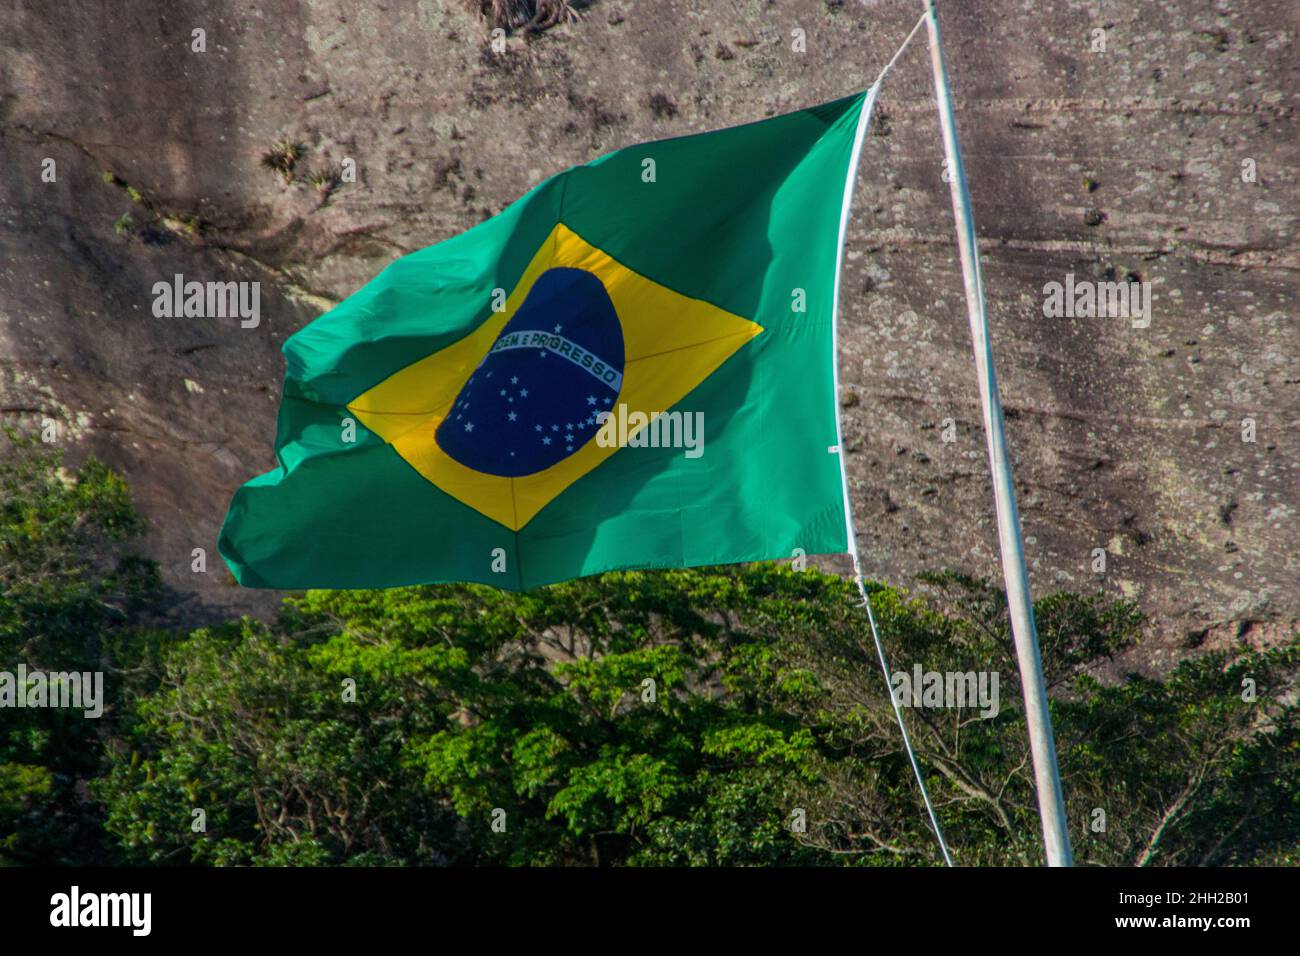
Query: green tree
x,y
72,598
688,718
264,738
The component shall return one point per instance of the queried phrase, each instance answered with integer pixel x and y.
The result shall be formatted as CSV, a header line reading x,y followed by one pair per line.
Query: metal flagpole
x,y
1047,778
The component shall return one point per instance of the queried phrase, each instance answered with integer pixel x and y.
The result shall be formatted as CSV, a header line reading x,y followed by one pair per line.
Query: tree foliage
x,y
72,598
732,716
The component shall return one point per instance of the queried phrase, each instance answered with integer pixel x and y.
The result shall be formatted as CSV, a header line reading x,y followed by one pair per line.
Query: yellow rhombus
x,y
671,344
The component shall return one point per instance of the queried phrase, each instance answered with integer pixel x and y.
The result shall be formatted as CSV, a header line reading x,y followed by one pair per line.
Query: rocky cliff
x,y
1147,143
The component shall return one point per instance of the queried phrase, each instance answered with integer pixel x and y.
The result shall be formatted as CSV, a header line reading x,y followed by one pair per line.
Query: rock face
x,y
1151,143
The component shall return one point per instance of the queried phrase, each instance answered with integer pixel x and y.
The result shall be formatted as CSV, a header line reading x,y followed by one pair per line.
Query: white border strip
x,y
864,121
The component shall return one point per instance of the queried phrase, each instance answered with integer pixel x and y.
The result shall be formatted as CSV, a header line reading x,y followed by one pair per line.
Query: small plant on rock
x,y
283,157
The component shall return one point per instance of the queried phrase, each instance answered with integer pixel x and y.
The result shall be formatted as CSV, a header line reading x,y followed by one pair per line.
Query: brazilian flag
x,y
633,366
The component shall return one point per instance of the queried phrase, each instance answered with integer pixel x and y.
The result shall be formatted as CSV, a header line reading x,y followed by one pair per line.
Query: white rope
x,y
890,65
898,713
864,120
